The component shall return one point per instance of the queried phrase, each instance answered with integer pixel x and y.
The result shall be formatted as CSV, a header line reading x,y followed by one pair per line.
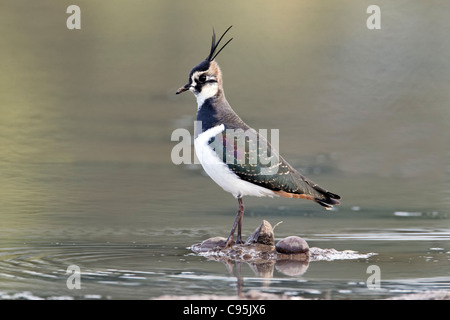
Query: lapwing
x,y
242,172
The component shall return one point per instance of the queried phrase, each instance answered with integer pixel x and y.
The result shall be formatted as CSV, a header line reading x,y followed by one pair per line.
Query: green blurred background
x,y
86,115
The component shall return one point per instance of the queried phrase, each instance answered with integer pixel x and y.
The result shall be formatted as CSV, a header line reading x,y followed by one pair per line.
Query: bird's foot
x,y
229,242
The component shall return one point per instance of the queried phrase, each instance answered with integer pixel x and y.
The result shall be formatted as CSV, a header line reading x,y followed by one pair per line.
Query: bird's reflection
x,y
262,269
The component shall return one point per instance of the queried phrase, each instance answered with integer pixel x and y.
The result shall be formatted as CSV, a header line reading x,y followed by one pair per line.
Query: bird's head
x,y
205,79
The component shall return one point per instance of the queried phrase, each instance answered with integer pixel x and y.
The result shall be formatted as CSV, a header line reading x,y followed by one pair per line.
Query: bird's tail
x,y
321,196
325,198
298,186
329,200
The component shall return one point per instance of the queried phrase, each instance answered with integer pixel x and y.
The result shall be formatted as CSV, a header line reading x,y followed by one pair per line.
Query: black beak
x,y
183,89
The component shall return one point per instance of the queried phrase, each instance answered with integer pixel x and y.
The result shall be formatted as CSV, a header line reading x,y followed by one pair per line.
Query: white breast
x,y
219,171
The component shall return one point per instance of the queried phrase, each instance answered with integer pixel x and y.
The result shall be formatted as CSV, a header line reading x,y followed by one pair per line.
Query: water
x,y
86,173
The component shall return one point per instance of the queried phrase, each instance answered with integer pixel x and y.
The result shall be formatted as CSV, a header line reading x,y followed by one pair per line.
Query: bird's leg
x,y
237,224
241,214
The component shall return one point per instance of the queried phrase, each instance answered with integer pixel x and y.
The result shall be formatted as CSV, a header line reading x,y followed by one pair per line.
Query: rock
x,y
262,235
261,240
211,244
259,248
292,245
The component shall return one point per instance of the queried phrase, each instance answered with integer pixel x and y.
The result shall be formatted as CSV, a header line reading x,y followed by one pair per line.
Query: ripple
x,y
35,271
389,234
44,268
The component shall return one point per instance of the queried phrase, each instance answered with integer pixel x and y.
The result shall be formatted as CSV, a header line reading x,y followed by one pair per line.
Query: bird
x,y
240,171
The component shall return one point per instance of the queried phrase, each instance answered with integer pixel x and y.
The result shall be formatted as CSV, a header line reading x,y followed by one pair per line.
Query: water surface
x,y
85,143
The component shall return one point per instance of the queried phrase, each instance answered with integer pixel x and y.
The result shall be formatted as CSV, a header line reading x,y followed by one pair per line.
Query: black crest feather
x,y
215,44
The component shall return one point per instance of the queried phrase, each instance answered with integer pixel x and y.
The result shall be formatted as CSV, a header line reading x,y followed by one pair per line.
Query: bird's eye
x,y
202,78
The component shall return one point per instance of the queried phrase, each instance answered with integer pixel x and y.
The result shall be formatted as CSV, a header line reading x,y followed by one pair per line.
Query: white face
x,y
203,86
